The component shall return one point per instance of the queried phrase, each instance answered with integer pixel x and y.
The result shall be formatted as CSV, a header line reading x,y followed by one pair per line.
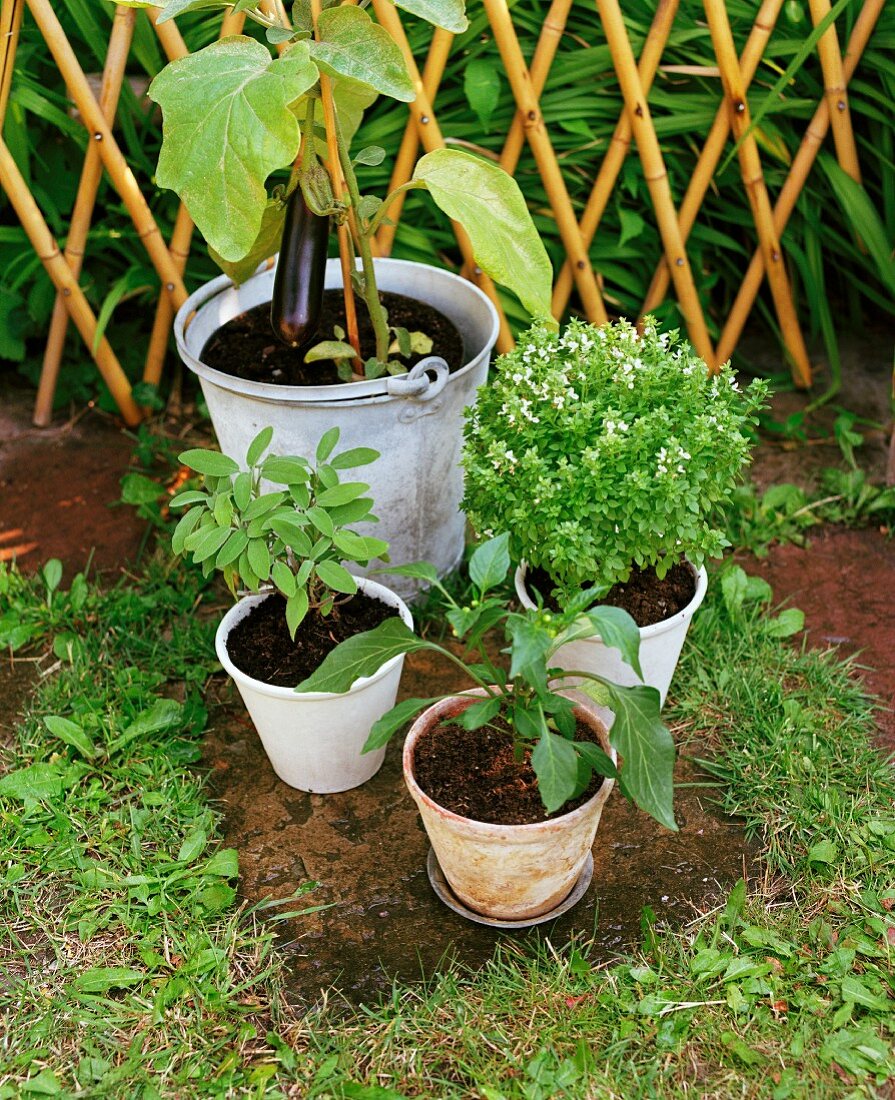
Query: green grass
x,y
128,969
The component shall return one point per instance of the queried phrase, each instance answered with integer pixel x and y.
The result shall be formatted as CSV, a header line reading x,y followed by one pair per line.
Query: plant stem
x,y
436,648
378,316
379,216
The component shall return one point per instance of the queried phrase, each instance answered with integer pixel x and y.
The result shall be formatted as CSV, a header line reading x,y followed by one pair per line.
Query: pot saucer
x,y
444,892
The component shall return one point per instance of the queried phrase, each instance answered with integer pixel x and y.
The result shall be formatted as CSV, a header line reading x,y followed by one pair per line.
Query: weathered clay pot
x,y
507,872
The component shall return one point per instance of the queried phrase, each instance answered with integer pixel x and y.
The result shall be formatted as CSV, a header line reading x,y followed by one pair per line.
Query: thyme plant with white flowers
x,y
604,448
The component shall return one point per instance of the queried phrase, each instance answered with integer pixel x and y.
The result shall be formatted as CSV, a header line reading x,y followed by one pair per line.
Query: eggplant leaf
x,y
227,126
487,202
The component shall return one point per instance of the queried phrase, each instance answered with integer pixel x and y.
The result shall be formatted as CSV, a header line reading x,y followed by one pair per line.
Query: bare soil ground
x,y
366,848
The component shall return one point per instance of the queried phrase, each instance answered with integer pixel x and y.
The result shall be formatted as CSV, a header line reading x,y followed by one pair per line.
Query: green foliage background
x,y
475,107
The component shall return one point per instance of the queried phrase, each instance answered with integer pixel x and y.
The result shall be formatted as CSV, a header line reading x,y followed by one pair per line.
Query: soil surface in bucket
x,y
475,773
647,599
260,646
247,348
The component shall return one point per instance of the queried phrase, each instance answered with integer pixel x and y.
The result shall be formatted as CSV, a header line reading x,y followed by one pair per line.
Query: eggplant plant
x,y
234,113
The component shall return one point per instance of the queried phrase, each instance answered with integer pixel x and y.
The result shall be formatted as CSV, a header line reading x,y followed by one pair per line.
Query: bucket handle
x,y
417,384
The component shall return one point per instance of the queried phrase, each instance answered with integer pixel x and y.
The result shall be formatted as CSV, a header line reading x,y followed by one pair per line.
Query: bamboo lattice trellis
x,y
635,78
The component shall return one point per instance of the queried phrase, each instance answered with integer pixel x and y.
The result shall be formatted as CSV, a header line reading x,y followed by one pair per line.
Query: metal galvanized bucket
x,y
414,421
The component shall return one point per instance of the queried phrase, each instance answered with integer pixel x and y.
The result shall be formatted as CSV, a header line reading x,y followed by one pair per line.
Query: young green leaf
x,y
384,728
490,563
617,629
72,734
361,656
555,763
227,127
337,577
646,748
596,758
210,463
480,713
419,570
487,202
352,45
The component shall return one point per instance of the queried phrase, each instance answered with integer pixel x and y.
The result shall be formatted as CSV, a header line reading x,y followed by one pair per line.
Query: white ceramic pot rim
x,y
654,629
338,394
370,588
507,833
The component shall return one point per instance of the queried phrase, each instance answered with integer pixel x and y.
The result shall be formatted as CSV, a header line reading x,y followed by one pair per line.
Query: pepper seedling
x,y
528,694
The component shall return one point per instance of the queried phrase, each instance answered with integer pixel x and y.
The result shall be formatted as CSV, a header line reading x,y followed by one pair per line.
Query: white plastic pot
x,y
507,872
314,739
660,645
414,421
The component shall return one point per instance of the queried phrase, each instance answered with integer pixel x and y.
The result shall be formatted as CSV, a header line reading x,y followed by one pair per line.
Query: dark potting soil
x,y
259,645
475,773
247,348
647,599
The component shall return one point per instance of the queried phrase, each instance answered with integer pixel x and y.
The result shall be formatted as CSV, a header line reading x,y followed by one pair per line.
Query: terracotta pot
x,y
507,872
660,646
314,739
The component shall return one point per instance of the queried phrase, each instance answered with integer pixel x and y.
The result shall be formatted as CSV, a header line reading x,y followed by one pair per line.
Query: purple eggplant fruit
x,y
298,286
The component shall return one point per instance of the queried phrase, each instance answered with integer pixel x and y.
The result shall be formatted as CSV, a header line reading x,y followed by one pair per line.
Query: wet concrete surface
x,y
367,850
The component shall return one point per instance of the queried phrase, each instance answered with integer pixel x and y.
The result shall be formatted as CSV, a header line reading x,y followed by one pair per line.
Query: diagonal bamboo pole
x,y
433,71
112,157
10,26
431,137
756,191
542,60
82,214
64,280
795,180
666,10
708,159
182,234
656,176
545,157
834,88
